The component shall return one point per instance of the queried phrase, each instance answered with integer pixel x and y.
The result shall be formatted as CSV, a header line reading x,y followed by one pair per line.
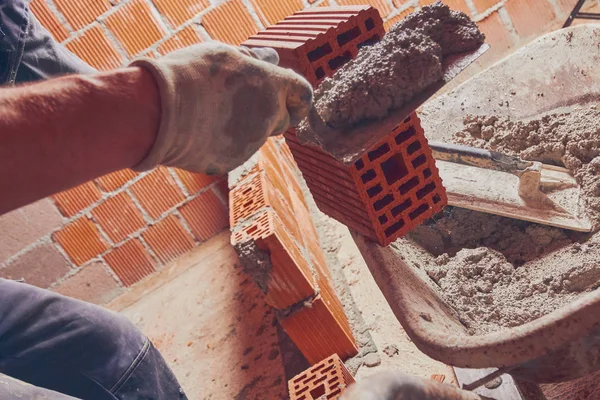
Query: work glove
x,y
391,385
219,104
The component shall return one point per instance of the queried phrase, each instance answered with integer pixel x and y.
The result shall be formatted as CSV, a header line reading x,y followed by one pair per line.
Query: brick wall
x,y
96,240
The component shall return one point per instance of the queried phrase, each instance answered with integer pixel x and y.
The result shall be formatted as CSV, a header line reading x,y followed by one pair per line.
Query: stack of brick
x,y
325,380
276,240
394,185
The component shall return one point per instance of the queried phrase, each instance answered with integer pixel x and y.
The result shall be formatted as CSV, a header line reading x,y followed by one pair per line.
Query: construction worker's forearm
x,y
63,132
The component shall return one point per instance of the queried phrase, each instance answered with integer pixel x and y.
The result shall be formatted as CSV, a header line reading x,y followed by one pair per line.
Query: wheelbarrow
x,y
556,347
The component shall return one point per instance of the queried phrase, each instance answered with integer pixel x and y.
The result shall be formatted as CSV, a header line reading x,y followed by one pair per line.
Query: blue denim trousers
x,y
60,346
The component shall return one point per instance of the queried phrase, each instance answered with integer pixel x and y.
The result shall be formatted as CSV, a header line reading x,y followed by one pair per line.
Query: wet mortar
x,y
499,272
388,74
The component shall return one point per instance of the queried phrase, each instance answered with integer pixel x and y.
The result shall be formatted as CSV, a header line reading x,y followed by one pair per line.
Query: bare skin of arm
x,y
60,133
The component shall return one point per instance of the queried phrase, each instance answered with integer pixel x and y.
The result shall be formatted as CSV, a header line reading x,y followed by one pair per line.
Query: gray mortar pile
x,y
388,74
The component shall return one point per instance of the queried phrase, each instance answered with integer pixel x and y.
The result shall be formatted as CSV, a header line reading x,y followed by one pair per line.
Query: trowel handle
x,y
478,157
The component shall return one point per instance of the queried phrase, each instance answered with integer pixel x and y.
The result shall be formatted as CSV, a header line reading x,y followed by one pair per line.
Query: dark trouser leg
x,y
27,50
77,348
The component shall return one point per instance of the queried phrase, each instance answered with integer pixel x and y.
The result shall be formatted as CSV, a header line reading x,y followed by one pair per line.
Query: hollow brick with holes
x,y
392,188
328,378
318,41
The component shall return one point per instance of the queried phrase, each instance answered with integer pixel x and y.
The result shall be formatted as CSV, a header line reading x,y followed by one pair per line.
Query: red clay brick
x,y
270,12
328,378
168,239
496,35
157,192
82,12
322,4
184,38
135,27
530,18
399,3
459,5
94,48
397,18
381,5
179,11
71,201
81,240
317,332
49,20
118,217
291,278
217,23
41,266
130,261
194,182
115,180
222,189
23,226
483,5
92,284
206,215
318,41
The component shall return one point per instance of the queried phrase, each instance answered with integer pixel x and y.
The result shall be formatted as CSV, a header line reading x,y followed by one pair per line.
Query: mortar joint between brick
x,y
507,21
103,234
252,12
162,21
147,247
178,181
481,16
471,6
112,273
116,44
186,227
40,241
59,15
98,20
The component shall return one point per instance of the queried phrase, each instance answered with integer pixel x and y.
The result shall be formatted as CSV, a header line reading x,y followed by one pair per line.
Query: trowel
x,y
495,183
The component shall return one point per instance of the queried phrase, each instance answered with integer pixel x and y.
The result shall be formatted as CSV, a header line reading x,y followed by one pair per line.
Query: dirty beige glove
x,y
391,385
219,103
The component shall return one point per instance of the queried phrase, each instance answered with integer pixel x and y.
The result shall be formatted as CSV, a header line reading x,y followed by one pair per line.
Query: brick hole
x,y
359,164
401,208
310,378
248,203
319,52
246,191
436,199
378,152
370,24
368,176
318,391
340,60
426,173
374,191
328,369
302,398
419,161
348,36
316,368
251,230
394,168
413,147
383,219
304,389
333,394
405,135
418,211
321,379
332,380
407,120
379,204
425,190
394,228
410,185
370,41
320,73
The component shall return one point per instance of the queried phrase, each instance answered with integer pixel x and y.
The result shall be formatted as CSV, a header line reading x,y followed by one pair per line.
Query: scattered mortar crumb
x,y
388,74
499,272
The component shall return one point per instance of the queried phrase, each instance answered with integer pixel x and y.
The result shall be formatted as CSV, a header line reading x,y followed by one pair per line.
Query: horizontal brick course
x,y
81,240
206,215
130,262
48,20
41,266
168,239
118,217
179,11
218,22
157,192
92,284
82,12
135,27
71,201
115,180
94,48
